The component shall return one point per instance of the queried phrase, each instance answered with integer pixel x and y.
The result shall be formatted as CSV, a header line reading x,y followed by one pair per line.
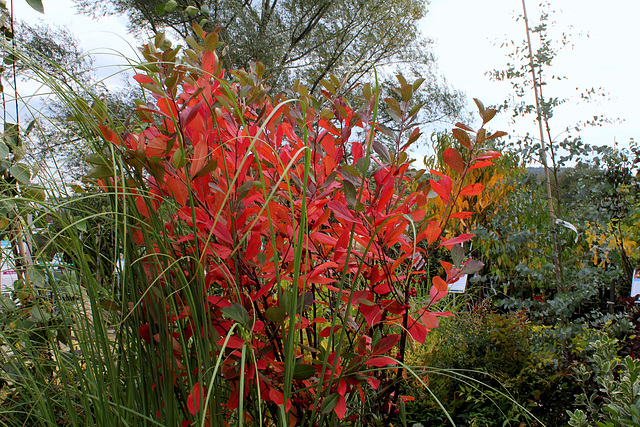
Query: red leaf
x,y
341,211
263,291
460,239
143,330
385,195
481,164
253,247
386,344
356,151
371,313
234,342
438,290
452,157
276,396
439,284
109,135
444,195
221,251
382,289
381,361
472,190
432,232
142,79
488,155
324,238
417,331
327,331
222,233
463,126
341,407
462,215
328,143
495,135
429,320
209,60
218,302
373,382
194,401
178,189
462,137
418,214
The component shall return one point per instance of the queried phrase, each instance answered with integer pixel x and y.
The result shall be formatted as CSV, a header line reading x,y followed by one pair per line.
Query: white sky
x,y
467,35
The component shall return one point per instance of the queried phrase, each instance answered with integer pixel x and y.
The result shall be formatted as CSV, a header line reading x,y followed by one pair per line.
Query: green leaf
x,y
191,11
99,173
238,313
417,84
156,167
457,255
110,305
81,225
403,412
286,300
36,5
6,206
366,91
349,192
262,258
20,172
276,314
488,115
381,150
387,131
350,173
329,403
305,302
11,134
415,110
170,6
480,106
211,42
77,188
9,59
96,159
303,372
4,150
34,192
472,266
178,160
407,93
30,126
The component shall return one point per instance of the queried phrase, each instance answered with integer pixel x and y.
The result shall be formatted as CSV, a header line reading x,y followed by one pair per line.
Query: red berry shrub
x,y
278,240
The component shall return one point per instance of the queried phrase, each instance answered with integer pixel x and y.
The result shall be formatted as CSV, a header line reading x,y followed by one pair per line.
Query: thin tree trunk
x,y
543,157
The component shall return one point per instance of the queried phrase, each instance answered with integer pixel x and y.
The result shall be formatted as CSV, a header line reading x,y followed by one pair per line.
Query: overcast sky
x,y
467,36
606,42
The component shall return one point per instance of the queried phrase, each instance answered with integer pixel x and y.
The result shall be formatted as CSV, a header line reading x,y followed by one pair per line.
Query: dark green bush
x,y
492,369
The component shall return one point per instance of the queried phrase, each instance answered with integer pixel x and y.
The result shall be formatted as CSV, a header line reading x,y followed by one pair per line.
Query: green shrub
x,y
610,394
492,369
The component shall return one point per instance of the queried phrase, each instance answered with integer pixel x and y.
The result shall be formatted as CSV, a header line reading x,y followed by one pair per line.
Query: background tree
x,y
305,39
57,144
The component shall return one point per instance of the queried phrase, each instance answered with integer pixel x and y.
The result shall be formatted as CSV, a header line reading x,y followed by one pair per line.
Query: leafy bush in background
x,y
488,368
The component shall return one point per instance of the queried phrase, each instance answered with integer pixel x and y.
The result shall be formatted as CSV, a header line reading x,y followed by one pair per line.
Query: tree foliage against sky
x,y
303,39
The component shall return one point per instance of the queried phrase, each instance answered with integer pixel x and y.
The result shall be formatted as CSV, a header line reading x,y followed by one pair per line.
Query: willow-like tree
x,y
304,39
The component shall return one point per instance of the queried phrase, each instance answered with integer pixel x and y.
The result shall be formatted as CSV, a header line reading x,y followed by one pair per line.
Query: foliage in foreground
x,y
270,252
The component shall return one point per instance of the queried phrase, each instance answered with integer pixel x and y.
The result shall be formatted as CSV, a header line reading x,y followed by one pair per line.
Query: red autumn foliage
x,y
306,230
